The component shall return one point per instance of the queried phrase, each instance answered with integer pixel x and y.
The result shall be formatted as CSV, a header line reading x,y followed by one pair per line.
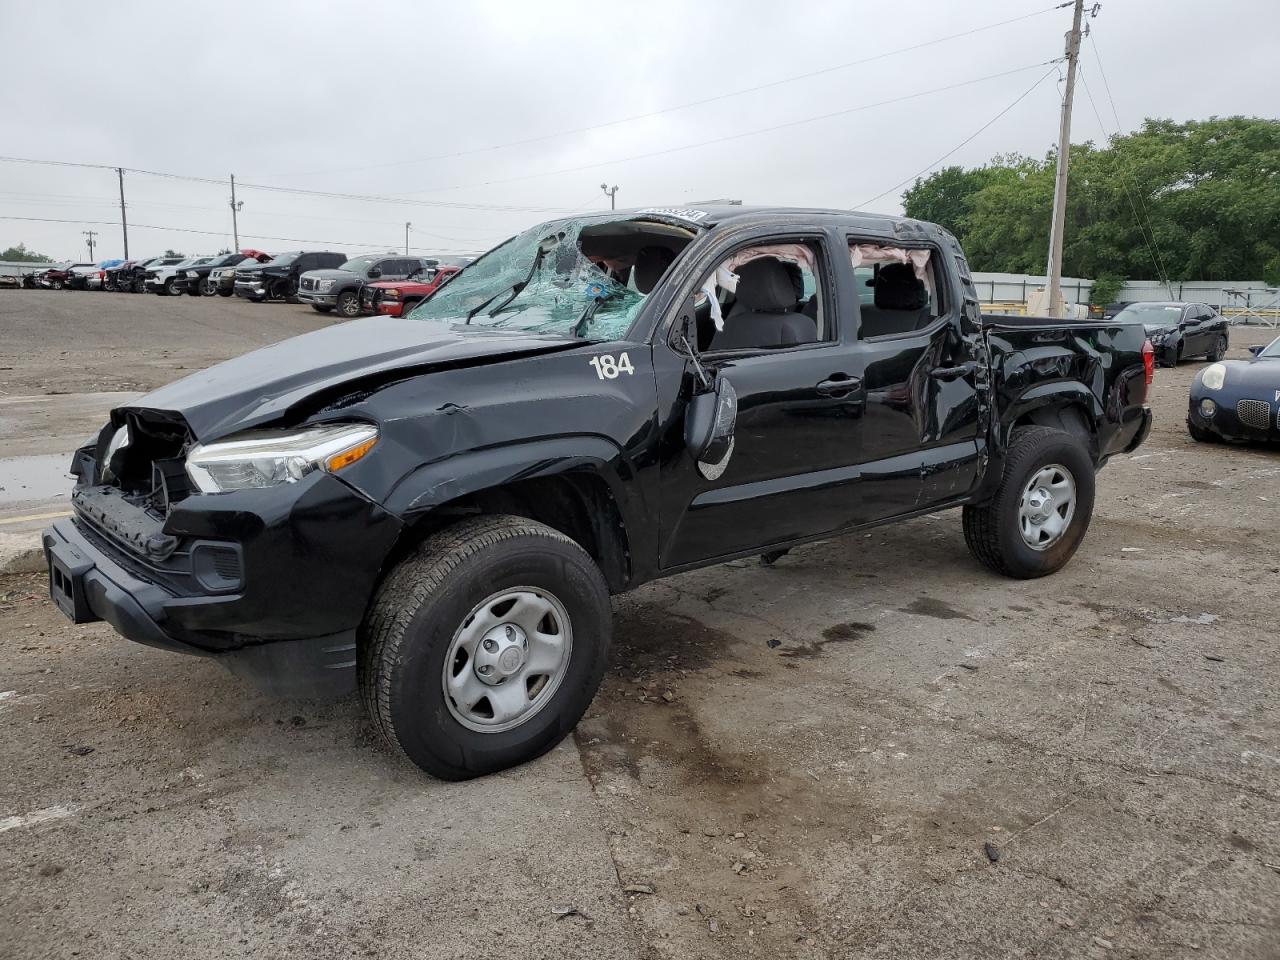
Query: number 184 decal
x,y
607,368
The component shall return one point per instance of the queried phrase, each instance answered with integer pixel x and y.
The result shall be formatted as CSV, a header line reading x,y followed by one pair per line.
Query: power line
x,y
1124,176
219,233
447,204
738,136
680,106
1026,93
1160,266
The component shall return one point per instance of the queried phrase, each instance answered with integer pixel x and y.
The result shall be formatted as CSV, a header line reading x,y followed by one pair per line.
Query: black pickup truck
x,y
438,507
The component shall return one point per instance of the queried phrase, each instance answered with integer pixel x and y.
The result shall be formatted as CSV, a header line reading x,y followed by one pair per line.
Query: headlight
x,y
1214,376
267,458
390,294
325,286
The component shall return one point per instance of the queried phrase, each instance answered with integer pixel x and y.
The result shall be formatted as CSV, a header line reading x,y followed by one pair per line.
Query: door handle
x,y
839,386
954,373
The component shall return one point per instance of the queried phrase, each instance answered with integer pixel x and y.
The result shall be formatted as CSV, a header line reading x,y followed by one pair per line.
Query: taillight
x,y
1148,362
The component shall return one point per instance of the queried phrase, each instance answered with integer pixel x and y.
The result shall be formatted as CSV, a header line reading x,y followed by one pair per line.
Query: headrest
x,y
651,264
766,286
898,288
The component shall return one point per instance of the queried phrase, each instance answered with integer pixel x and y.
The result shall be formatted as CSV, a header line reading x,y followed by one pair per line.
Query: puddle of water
x,y
24,479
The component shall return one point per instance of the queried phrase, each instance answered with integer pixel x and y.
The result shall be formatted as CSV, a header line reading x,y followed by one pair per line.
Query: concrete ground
x,y
873,748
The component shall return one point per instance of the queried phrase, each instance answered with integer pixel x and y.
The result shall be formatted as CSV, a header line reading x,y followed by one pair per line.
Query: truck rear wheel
x,y
484,647
1040,513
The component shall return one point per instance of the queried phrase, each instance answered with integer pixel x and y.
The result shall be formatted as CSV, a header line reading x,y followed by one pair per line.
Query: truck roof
x,y
708,215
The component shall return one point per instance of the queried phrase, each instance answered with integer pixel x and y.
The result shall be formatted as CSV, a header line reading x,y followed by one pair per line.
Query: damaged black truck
x,y
436,508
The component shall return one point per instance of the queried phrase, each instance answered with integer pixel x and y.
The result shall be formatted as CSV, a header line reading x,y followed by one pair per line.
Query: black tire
x,y
321,308
1219,349
229,292
193,290
991,530
170,288
1200,435
427,597
349,304
208,287
140,286
57,284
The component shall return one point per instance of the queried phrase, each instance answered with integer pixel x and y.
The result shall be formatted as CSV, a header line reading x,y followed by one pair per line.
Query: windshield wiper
x,y
545,246
598,296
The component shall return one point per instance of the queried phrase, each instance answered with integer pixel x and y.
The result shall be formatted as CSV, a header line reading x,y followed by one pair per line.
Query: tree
x,y
1184,201
1105,289
174,253
21,253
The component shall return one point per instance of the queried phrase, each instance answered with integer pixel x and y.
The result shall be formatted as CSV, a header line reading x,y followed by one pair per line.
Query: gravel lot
x,y
819,759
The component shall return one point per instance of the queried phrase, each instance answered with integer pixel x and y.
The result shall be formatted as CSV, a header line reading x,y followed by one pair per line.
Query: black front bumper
x,y
1226,422
311,554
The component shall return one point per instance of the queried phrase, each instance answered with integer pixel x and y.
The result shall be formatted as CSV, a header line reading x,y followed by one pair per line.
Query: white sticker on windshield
x,y
681,213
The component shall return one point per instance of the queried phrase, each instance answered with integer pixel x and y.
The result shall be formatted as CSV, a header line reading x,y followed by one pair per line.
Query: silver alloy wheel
x,y
507,660
1047,507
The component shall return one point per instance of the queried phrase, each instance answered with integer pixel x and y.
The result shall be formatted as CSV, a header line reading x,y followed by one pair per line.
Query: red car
x,y
392,297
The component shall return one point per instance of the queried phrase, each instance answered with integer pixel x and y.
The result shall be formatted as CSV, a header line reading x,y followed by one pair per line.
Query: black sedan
x,y
1238,399
1180,330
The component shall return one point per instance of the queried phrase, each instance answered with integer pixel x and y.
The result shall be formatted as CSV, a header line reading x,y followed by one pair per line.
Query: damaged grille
x,y
1254,413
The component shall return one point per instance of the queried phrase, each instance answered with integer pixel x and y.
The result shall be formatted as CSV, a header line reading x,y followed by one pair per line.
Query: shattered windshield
x,y
572,278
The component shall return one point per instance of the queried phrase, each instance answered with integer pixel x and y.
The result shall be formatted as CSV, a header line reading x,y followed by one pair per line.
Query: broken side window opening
x,y
581,278
765,296
896,289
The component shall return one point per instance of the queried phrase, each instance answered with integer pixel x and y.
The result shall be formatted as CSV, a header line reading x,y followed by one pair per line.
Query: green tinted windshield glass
x,y
539,281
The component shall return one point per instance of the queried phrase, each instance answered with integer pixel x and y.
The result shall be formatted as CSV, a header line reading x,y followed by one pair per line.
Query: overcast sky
x,y
430,102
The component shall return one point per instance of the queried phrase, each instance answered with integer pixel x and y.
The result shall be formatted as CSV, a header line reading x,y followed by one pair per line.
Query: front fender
x,y
433,484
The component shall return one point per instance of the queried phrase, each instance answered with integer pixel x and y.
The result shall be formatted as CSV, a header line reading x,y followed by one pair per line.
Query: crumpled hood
x,y
263,385
1155,329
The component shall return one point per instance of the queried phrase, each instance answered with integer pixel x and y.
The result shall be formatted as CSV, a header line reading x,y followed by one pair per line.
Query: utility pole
x,y
90,234
611,194
235,209
124,224
407,225
1060,181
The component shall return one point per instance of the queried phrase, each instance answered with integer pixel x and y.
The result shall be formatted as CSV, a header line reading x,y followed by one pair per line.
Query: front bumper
x,y
310,555
321,299
1226,422
251,291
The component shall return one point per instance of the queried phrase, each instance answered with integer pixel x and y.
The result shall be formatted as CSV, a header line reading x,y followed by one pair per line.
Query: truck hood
x,y
331,274
264,385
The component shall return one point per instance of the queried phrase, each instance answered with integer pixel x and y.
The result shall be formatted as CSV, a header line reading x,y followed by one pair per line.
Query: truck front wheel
x,y
484,647
1040,513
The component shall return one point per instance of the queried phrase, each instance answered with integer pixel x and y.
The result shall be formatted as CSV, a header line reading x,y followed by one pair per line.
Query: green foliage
x,y
174,253
21,253
1105,289
1192,201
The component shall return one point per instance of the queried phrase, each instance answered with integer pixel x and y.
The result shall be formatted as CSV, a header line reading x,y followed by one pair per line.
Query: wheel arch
x,y
1069,407
576,486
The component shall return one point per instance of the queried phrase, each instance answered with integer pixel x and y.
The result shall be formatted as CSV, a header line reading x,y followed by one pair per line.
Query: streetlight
x,y
611,194
407,225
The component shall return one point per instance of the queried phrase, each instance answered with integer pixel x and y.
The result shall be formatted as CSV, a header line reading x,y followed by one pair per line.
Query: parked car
x,y
222,280
278,278
78,276
1238,399
168,280
11,281
58,276
1111,309
134,279
1180,330
111,278
437,509
396,298
339,288
195,278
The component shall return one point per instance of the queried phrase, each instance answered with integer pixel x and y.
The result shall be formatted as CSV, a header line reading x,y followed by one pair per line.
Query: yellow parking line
x,y
36,516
